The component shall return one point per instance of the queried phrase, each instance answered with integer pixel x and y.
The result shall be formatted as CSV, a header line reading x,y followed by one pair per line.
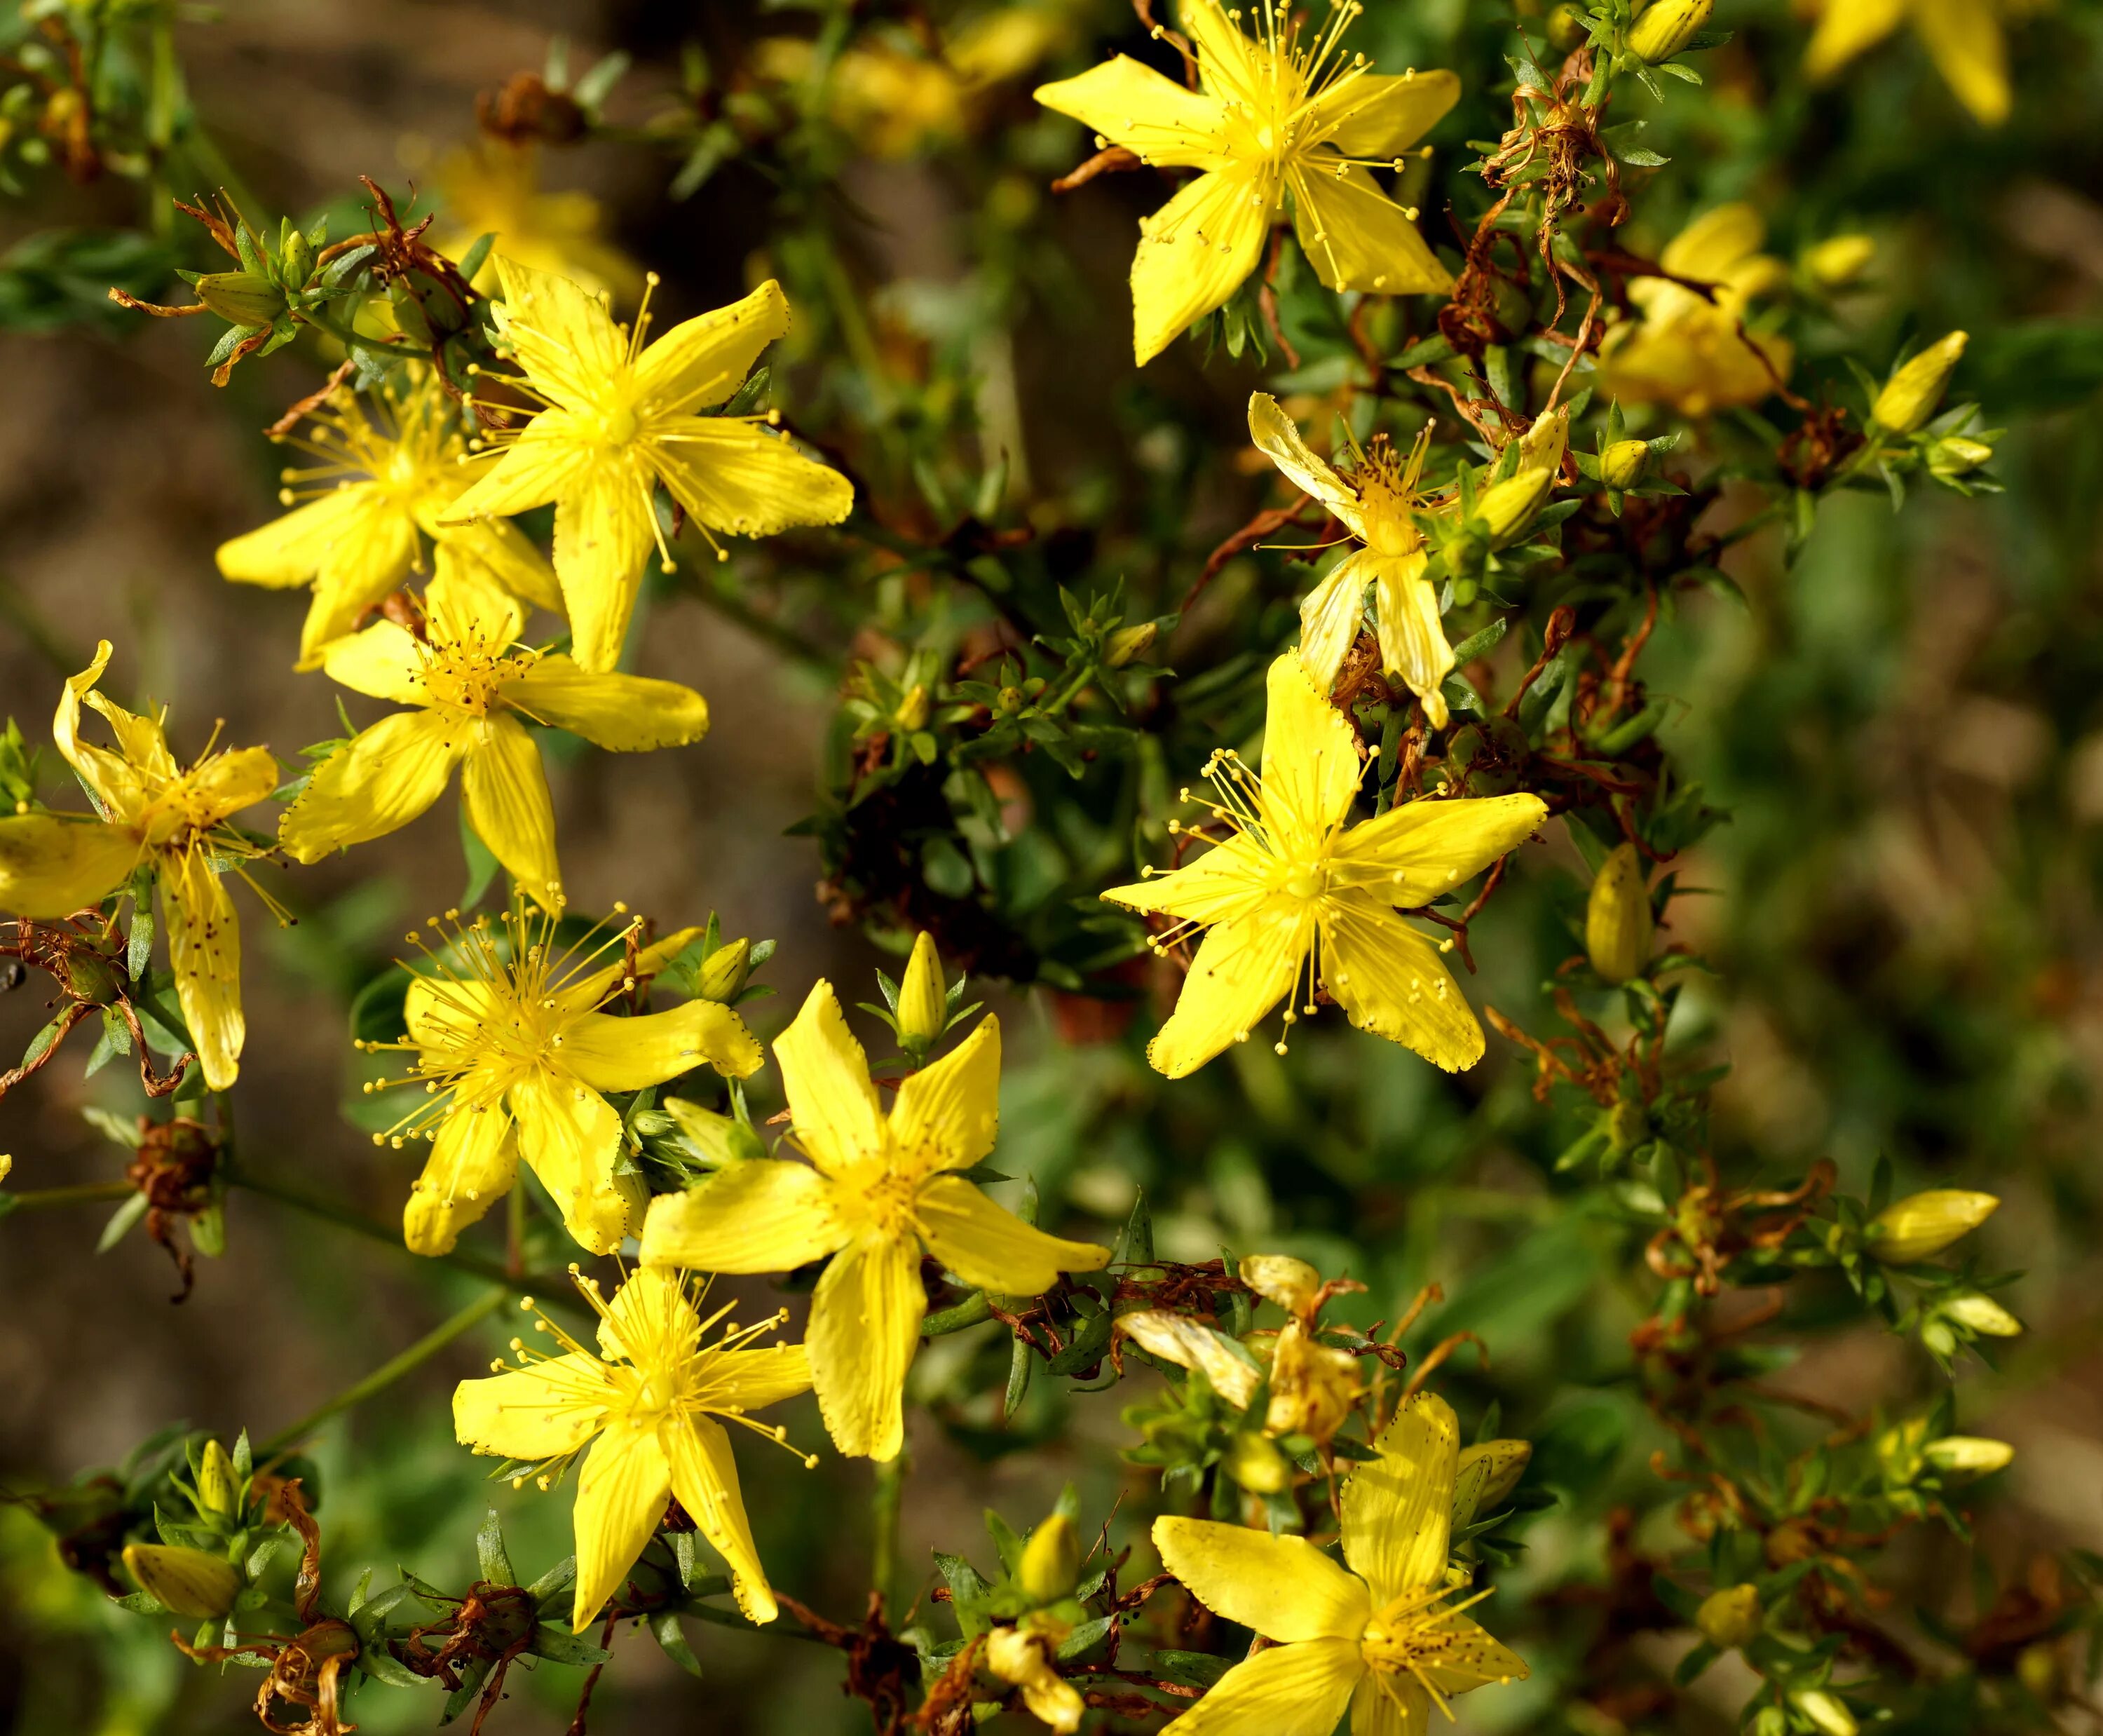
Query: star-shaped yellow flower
x,y
879,1190
492,187
646,1405
1962,37
1387,1639
1276,118
154,812
476,689
620,419
367,505
1297,892
512,1054
1686,350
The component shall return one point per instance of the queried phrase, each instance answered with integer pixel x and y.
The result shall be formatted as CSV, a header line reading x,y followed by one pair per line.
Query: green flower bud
x,y
1668,26
719,1140
1909,1230
1255,1462
1982,1315
723,971
219,1491
2038,1668
1968,1455
1623,463
186,1582
1628,1126
298,259
1914,390
1052,1560
1838,260
912,712
1954,455
1565,29
923,1006
1128,643
1827,1712
1730,1618
241,298
1488,1471
1619,929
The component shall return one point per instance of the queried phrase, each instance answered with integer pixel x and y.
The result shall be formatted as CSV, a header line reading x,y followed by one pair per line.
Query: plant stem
x,y
388,1372
884,1505
86,1193
969,1312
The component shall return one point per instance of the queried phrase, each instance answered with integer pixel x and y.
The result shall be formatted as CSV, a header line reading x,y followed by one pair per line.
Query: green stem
x,y
388,1372
731,1618
88,1193
884,1504
969,1312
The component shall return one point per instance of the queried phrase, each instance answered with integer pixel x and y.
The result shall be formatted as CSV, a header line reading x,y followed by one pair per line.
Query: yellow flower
x,y
367,505
493,188
1377,502
156,812
619,419
878,1191
1687,350
512,1054
476,690
1385,1639
1274,117
1922,1224
1022,1655
1962,37
1297,890
646,1405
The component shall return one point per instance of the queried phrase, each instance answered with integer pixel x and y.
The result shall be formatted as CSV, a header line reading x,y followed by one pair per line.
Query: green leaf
x,y
493,1563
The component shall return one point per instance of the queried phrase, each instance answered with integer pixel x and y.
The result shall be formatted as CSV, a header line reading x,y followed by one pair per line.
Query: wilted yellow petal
x,y
1177,1338
1413,638
1330,615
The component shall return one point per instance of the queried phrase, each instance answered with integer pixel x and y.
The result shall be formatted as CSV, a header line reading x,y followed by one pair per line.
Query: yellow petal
x,y
1398,1508
704,1478
1713,242
1390,1706
865,1326
493,554
541,462
1411,637
560,333
626,1054
1230,879
552,1408
1392,982
473,1164
51,866
989,1247
625,714
737,1381
1288,1690
650,1321
292,549
1228,62
1244,967
227,782
1376,115
621,1493
947,1114
833,1107
1357,238
1177,1338
1963,39
374,784
732,474
571,1137
700,363
1283,1588
1417,851
381,548
446,1012
504,789
1845,29
581,994
118,786
204,950
1277,438
762,1216
1469,1658
1311,767
1194,254
383,661
1329,616
1133,106
605,535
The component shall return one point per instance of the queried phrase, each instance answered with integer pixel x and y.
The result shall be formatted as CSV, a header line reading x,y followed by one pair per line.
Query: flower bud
x,y
1954,455
1487,1472
1618,926
1257,1464
723,971
1982,1315
1623,463
1914,390
1968,1455
1668,26
1020,1655
719,1140
219,1491
1565,29
1051,1559
298,257
1910,1230
7,1166
923,1002
1128,643
1826,1711
912,712
1731,1617
1838,260
242,298
186,1582
2038,1668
